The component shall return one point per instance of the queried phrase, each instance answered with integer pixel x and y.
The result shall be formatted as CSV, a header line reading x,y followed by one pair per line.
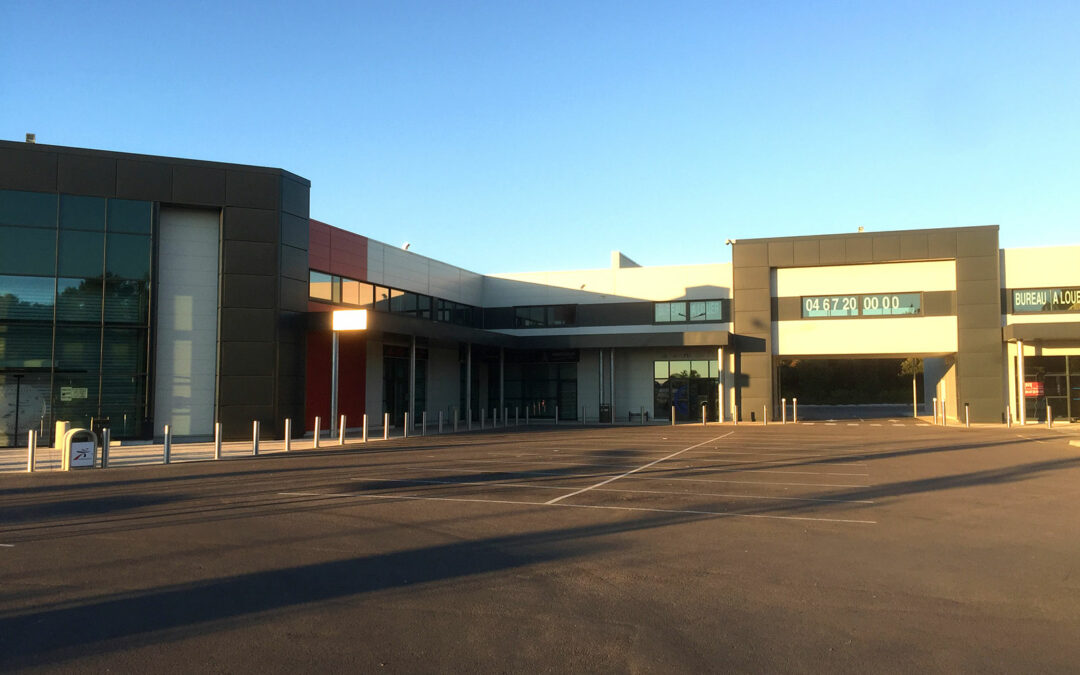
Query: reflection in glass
x,y
78,348
25,346
126,301
78,300
697,311
27,298
662,312
320,286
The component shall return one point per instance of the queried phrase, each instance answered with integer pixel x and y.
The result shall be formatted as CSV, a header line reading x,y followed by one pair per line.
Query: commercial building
x,y
149,291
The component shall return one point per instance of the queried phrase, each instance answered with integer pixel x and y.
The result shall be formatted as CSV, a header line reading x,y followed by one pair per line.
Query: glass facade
x,y
1052,383
867,304
340,290
74,312
693,310
686,386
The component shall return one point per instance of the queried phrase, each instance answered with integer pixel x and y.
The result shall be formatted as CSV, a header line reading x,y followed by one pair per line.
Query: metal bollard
x,y
1008,416
166,449
318,431
556,415
483,418
765,415
517,421
783,411
526,416
255,437
468,418
935,410
794,411
288,434
583,415
405,427
967,416
364,429
217,440
944,422
31,449
735,415
672,415
1049,416
106,440
641,417
440,422
341,431
423,423
386,426
704,412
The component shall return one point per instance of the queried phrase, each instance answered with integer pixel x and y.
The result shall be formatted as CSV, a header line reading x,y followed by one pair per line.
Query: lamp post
x,y
343,320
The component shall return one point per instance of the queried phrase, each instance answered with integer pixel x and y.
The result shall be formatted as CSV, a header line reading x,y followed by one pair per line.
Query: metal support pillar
x,y
611,377
217,440
334,383
1020,382
288,434
412,383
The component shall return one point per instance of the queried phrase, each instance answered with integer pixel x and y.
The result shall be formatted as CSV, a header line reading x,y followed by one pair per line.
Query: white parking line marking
x,y
650,492
7,545
724,514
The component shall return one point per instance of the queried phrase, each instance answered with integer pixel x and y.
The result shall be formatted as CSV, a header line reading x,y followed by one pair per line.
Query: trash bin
x,y
605,413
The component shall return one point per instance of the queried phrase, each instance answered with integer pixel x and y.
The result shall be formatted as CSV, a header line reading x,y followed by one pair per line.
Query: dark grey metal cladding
x,y
264,245
590,314
977,301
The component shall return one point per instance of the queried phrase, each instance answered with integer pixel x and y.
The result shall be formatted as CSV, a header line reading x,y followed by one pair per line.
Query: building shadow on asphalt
x,y
103,624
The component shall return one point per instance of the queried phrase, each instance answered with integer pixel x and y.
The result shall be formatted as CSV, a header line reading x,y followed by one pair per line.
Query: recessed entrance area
x,y
851,387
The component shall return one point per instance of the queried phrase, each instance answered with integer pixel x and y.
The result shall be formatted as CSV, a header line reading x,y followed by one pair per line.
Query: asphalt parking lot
x,y
886,546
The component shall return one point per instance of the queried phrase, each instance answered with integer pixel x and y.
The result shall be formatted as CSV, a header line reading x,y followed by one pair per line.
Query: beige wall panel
x,y
880,278
923,335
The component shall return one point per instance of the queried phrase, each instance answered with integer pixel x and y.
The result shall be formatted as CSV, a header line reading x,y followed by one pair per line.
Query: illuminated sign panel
x,y
1030,300
350,319
867,304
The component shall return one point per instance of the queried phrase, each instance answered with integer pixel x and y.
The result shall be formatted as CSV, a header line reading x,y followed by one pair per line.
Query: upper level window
x,y
342,290
1033,300
692,310
545,316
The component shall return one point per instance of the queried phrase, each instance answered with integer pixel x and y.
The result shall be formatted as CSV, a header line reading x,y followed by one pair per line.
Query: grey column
x,y
600,382
412,379
611,376
334,385
502,379
468,379
1020,381
720,377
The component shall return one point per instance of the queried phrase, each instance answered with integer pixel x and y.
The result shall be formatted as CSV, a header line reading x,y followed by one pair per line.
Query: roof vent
x,y
31,138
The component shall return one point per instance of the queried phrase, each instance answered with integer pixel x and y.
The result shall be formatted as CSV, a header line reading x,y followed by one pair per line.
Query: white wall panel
x,y
880,278
187,321
682,282
839,337
1041,267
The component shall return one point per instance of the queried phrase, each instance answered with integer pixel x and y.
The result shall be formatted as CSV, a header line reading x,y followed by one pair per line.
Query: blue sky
x,y
513,136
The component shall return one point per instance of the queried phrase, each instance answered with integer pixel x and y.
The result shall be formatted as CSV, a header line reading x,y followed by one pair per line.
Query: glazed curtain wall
x,y
74,311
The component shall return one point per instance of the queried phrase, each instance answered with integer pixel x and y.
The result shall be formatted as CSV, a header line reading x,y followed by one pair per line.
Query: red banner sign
x,y
1034,389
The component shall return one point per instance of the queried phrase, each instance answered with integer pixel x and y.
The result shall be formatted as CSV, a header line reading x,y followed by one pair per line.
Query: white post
x,y
641,417
914,398
318,432
31,449
935,410
1008,416
1049,416
765,415
672,415
967,416
1022,412
704,412
783,410
255,437
333,382
386,426
405,427
364,430
734,414
166,449
217,440
556,415
288,434
341,431
794,411
106,440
